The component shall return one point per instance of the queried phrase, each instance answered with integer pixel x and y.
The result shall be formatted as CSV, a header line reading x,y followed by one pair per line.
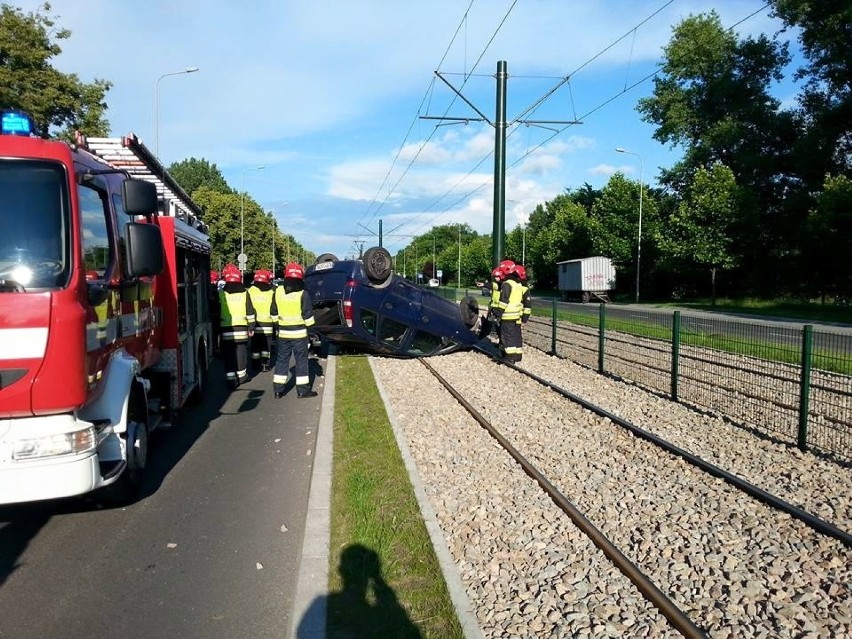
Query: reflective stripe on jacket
x,y
235,316
262,301
294,313
495,294
511,300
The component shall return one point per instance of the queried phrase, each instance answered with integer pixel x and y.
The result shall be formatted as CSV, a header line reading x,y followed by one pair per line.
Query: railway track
x,y
713,553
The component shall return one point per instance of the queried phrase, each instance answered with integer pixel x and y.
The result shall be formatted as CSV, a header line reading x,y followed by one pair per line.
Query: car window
x,y
391,331
369,320
424,343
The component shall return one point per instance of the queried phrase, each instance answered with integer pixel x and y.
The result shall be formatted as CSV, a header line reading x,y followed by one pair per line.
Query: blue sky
x,y
327,94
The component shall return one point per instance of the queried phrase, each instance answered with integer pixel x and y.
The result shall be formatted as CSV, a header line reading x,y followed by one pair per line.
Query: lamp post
x,y
639,238
434,261
242,222
156,121
459,266
524,245
274,233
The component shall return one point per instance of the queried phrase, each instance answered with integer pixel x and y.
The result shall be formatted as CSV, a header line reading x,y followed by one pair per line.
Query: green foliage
x,y
59,102
828,242
193,174
701,230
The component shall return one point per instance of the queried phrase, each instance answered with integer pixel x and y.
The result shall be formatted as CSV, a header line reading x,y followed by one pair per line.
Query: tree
x,y
701,231
824,34
828,243
712,98
193,174
58,102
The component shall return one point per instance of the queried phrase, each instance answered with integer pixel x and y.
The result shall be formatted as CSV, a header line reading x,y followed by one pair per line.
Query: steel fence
x,y
788,381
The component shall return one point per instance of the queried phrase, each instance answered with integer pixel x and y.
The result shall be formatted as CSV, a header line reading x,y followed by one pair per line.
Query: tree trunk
x,y
713,286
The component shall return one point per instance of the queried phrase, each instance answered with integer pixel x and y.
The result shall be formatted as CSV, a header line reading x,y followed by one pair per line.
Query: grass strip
x,y
384,577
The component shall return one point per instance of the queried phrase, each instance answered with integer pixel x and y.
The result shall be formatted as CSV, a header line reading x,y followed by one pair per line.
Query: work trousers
x,y
235,360
298,348
261,346
512,340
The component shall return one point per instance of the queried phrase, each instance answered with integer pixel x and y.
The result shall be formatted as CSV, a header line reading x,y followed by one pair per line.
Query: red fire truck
x,y
104,318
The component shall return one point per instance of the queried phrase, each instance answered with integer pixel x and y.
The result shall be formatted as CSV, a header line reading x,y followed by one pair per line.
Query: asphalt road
x,y
209,550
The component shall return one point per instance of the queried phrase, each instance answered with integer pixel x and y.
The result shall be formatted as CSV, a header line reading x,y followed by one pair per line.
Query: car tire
x,y
326,257
469,309
378,264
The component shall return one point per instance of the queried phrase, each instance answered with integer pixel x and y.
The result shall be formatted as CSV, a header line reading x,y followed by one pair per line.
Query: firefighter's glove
x,y
525,319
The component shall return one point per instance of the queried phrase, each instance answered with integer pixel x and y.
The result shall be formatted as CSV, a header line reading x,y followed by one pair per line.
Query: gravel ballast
x,y
735,566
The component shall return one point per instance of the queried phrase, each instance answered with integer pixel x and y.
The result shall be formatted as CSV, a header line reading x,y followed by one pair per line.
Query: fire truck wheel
x,y
126,489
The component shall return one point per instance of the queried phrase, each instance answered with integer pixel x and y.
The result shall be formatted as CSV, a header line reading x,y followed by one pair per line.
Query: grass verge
x,y
384,576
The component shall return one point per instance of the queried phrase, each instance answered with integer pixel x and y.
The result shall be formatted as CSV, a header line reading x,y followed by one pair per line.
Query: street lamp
x,y
639,238
156,121
274,233
241,258
459,265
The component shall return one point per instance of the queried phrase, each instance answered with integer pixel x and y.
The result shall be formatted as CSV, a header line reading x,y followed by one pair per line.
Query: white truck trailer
x,y
586,279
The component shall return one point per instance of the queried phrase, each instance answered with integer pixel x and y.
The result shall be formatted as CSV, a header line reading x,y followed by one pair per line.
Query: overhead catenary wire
x,y
560,131
432,134
414,120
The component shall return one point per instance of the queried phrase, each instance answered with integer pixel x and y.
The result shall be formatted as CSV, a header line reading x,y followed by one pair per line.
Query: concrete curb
x,y
465,613
309,603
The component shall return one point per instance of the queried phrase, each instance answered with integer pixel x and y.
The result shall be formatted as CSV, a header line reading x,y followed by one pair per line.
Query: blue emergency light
x,y
16,123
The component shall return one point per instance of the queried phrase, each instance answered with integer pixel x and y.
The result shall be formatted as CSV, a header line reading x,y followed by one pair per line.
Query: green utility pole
x,y
498,233
498,238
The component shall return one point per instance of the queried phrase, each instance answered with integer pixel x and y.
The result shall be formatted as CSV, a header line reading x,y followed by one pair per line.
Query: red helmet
x,y
497,273
263,276
214,277
294,270
506,265
522,272
231,273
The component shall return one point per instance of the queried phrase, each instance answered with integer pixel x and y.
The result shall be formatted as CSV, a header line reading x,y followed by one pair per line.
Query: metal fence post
x,y
675,352
805,386
553,329
601,329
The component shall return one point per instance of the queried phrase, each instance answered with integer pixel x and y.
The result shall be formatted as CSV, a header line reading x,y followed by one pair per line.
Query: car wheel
x,y
326,257
469,309
378,264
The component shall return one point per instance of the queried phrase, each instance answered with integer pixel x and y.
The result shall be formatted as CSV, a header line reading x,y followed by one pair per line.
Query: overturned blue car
x,y
362,305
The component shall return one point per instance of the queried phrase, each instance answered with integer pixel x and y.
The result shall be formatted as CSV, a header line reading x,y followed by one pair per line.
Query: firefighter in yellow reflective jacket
x,y
498,274
513,310
262,293
236,324
295,315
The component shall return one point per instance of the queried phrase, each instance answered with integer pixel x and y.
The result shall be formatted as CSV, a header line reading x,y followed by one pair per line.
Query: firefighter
x,y
292,308
511,312
236,325
491,324
262,294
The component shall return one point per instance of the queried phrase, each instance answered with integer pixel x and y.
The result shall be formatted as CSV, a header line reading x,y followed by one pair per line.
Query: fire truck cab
x,y
104,319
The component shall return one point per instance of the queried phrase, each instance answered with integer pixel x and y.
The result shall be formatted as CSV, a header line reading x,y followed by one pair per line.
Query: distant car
x,y
362,305
433,283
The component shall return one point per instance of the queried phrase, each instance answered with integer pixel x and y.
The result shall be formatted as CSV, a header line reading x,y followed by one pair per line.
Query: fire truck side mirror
x,y
144,250
140,197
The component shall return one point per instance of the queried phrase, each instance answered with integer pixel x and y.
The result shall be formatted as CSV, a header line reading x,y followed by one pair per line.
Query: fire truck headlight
x,y
80,441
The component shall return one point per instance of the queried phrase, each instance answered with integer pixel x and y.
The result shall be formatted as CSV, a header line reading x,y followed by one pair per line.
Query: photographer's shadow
x,y
366,607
